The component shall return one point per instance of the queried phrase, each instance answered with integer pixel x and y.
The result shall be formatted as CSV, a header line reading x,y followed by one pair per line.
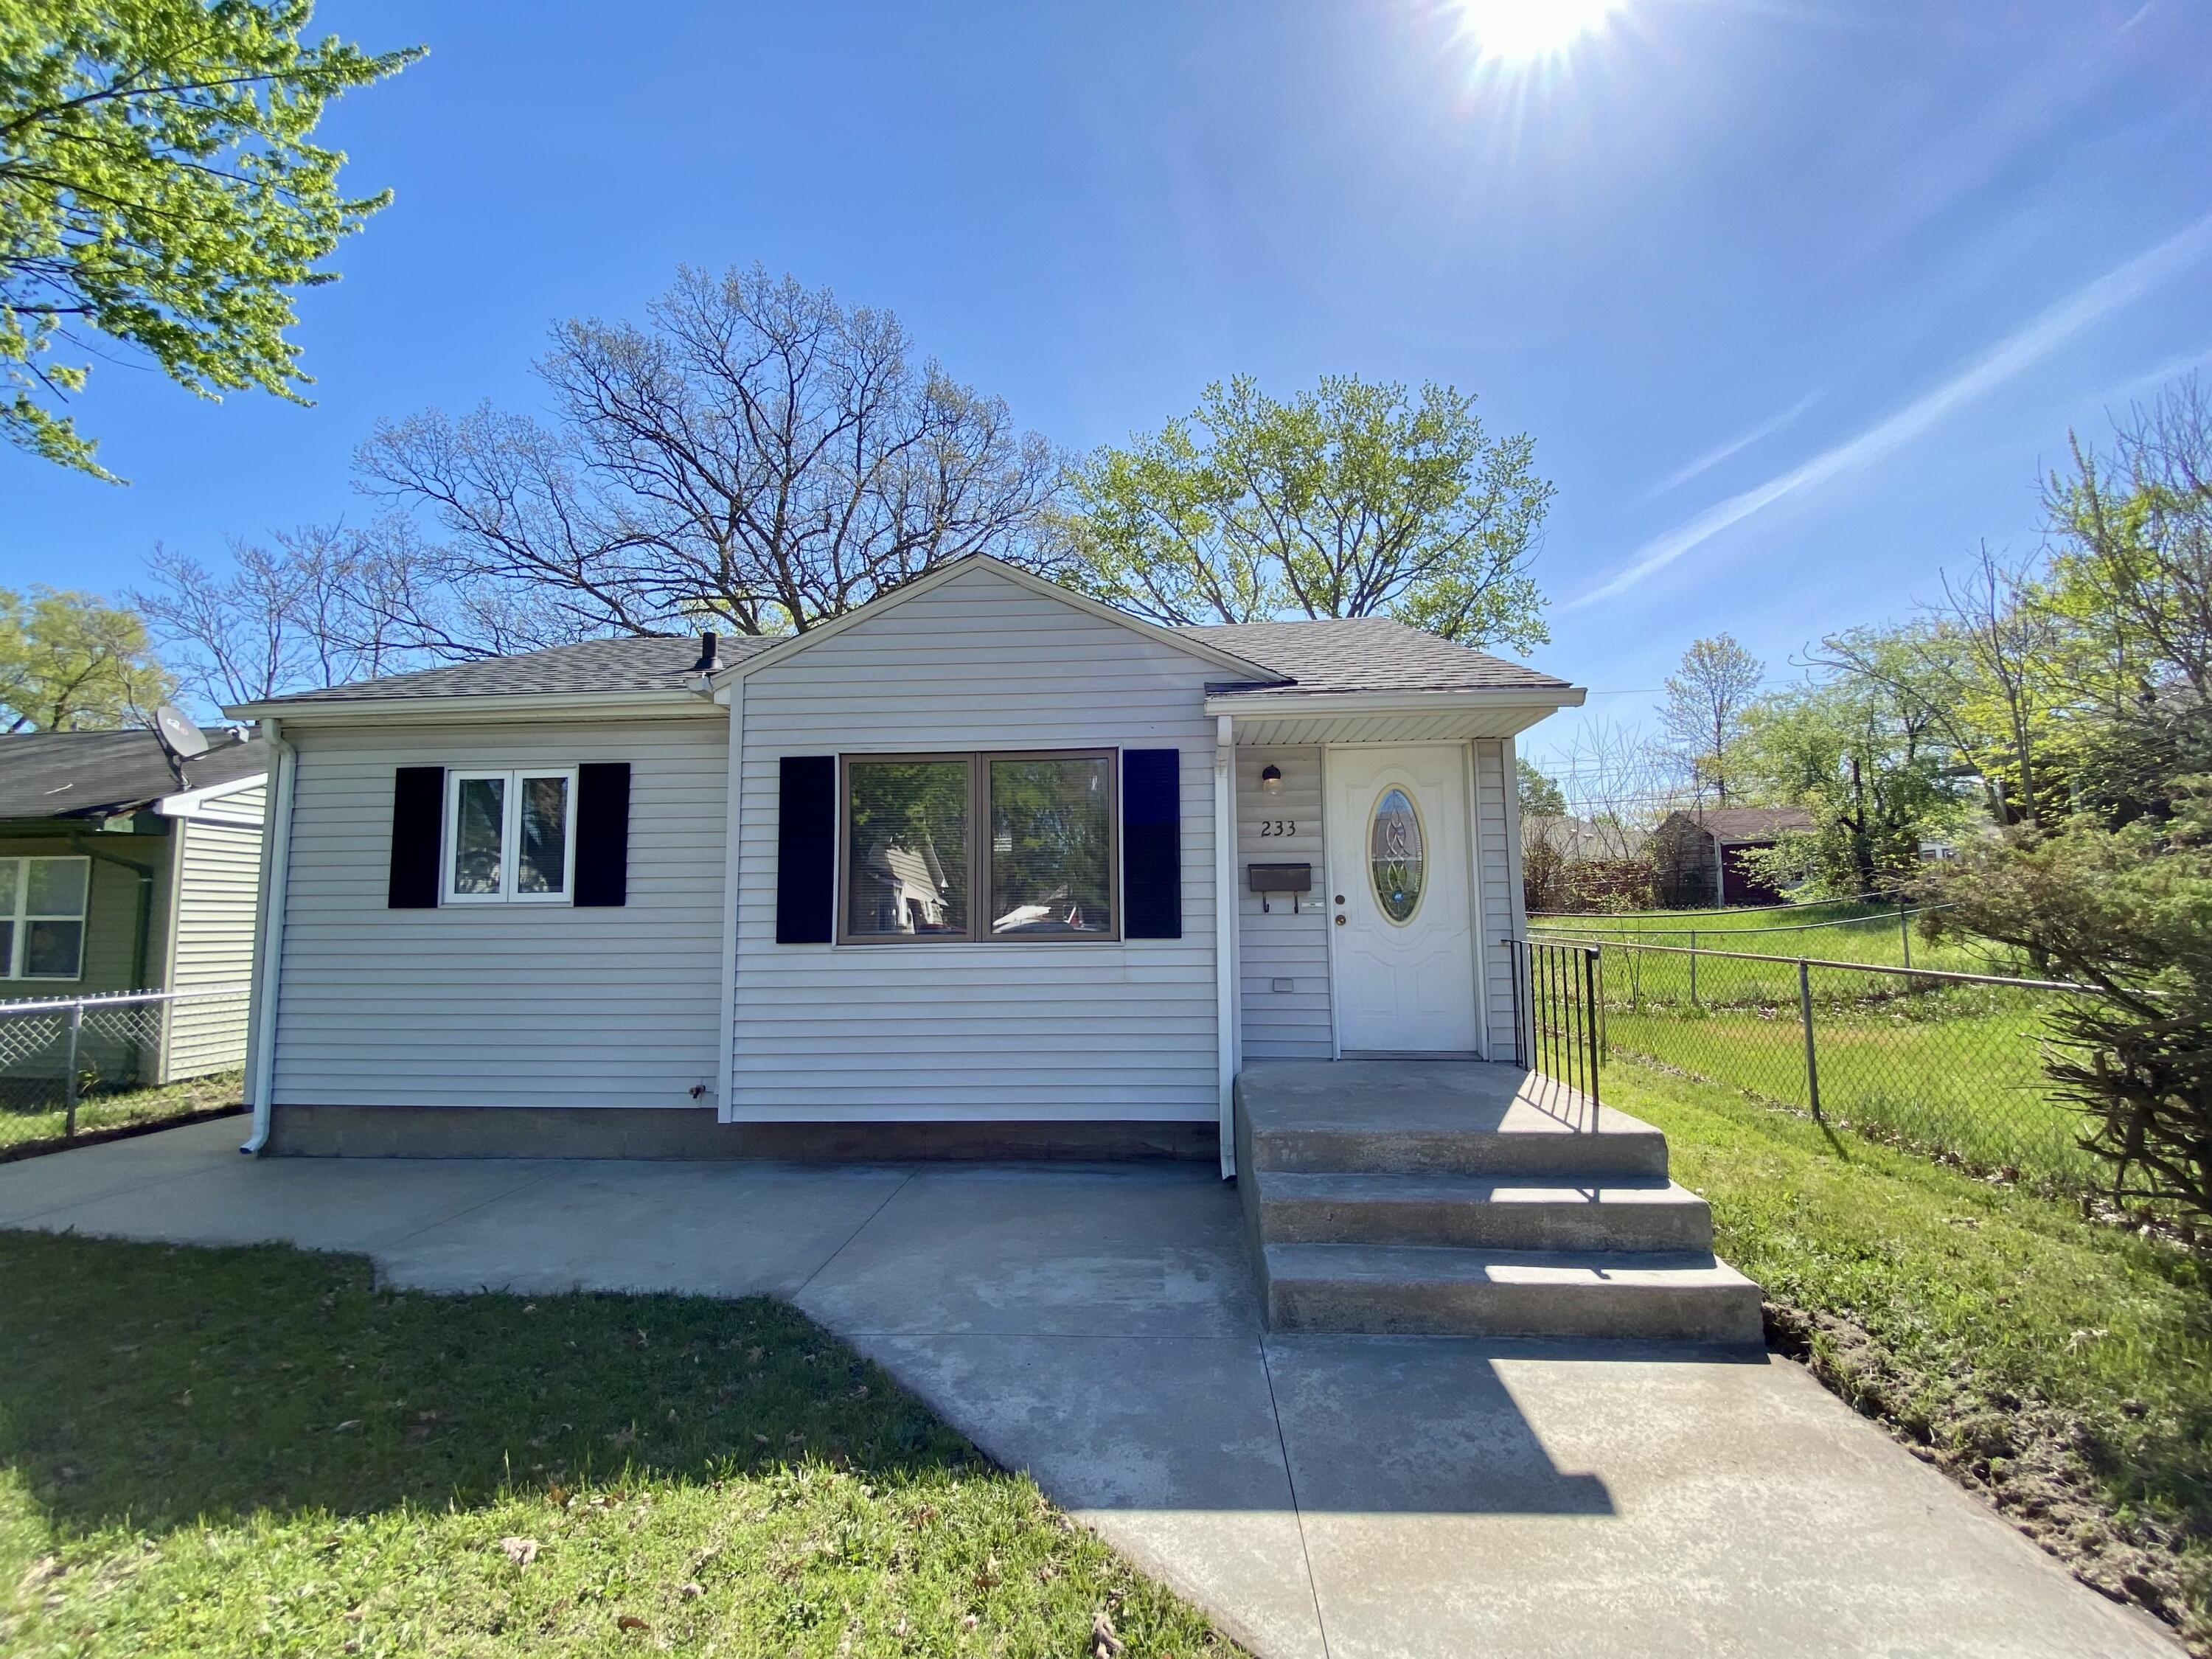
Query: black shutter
x,y
418,815
602,834
806,850
1151,843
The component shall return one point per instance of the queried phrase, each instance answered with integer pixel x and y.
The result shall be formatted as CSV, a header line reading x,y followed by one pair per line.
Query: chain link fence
x,y
62,1058
1947,1062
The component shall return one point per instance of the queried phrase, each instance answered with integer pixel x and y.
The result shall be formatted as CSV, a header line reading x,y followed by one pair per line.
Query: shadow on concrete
x,y
1394,1426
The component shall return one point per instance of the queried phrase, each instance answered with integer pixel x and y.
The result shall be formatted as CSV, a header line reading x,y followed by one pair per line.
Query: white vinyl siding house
x,y
1283,979
716,994
1059,1029
215,851
1502,904
506,1005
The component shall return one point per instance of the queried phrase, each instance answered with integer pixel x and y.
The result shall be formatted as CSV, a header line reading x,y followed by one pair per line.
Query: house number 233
x,y
1278,827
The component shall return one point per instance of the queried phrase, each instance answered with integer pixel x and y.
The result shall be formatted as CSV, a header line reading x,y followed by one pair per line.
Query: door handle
x,y
1339,922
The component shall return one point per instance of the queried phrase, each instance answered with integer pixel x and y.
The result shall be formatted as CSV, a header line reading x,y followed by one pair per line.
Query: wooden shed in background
x,y
1698,854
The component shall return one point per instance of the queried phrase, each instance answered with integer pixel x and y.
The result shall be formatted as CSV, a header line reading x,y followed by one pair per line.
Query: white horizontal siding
x,y
1501,879
1034,1031
218,876
502,1004
1279,942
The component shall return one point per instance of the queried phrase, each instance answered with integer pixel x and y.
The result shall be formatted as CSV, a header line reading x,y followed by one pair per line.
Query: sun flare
x,y
1525,31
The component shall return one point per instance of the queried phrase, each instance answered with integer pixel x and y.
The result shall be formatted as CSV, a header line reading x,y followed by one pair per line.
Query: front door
x,y
1398,872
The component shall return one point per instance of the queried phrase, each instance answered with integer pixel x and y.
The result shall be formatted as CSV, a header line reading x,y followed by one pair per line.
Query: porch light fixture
x,y
1271,780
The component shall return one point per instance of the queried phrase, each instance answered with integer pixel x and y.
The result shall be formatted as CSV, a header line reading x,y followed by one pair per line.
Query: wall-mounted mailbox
x,y
1276,878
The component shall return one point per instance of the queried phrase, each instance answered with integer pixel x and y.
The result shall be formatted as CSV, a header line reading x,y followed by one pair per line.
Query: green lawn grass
x,y
1833,932
255,1451
20,1126
2064,1367
1951,1068
1957,1069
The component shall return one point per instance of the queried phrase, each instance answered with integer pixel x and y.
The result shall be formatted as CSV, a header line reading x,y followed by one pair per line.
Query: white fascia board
x,y
791,648
1319,705
190,803
464,710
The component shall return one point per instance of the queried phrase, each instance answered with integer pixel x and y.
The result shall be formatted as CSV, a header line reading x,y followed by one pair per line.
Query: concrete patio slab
x,y
330,1205
1346,1496
1458,1496
33,1186
1166,1446
752,1229
1036,1250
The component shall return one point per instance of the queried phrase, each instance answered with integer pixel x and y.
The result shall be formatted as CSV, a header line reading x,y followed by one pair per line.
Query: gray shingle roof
x,y
1368,653
78,774
654,663
1363,654
1732,825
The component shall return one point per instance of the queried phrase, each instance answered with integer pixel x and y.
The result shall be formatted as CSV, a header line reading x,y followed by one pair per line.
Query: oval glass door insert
x,y
1395,855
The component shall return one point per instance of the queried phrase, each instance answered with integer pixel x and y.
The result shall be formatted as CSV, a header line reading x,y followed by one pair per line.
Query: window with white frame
x,y
42,905
510,835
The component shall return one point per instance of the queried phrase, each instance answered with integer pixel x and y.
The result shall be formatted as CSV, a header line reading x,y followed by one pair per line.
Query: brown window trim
x,y
978,762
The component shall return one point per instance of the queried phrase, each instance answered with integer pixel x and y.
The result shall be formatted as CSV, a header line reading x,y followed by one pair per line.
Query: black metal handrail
x,y
1558,1011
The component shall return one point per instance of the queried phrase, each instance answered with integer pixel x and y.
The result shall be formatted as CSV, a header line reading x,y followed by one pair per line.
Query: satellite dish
x,y
178,734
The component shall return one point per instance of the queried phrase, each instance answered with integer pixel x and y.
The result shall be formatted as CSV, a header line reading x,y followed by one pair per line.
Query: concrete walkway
x,y
1338,1496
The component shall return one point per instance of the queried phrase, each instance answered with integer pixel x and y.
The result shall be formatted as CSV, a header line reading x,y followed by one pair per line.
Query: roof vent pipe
x,y
710,655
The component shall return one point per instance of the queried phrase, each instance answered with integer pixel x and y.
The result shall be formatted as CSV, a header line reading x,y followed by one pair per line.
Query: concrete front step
x,y
1434,1291
1409,1118
1624,1149
1477,1211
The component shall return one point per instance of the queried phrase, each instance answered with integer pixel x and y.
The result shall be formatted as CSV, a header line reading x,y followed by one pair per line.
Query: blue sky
x,y
1796,296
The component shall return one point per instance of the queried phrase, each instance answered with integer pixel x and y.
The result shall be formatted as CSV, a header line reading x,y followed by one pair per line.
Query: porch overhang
x,y
1272,717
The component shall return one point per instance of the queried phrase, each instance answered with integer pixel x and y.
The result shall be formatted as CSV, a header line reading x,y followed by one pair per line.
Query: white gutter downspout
x,y
726,1043
1225,931
275,866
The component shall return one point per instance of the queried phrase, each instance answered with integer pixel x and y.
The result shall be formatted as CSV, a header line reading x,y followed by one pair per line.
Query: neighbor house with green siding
x,y
126,866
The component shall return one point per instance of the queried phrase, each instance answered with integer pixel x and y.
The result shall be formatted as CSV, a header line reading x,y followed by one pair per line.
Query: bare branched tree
x,y
1620,782
1974,668
2006,641
756,455
303,613
1703,716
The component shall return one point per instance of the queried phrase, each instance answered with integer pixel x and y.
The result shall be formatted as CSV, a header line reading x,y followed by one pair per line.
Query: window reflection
x,y
541,865
906,848
480,825
1051,844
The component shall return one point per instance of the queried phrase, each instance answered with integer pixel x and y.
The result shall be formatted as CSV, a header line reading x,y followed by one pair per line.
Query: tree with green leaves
x,y
1867,765
70,662
1354,499
1540,795
2129,588
2128,911
159,191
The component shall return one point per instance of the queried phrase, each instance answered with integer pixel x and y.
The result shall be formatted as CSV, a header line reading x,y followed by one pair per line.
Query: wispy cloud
x,y
2009,358
2152,379
1713,457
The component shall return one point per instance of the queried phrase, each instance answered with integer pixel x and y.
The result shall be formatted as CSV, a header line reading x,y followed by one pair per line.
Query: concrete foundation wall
x,y
662,1132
